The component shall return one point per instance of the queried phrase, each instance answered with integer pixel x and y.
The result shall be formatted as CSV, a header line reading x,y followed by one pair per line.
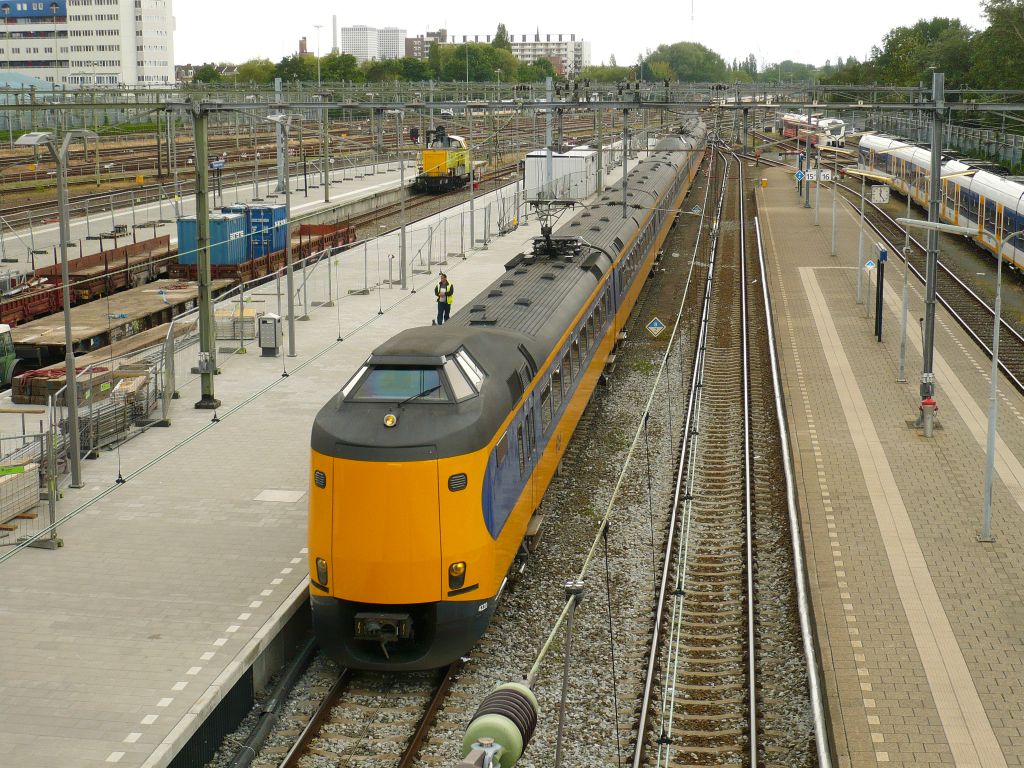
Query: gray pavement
x,y
918,622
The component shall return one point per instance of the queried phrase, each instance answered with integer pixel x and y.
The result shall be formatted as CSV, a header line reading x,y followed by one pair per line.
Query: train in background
x,y
828,131
428,467
444,162
970,197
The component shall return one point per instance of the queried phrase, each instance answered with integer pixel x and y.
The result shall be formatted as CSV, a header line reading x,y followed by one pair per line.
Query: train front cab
x,y
401,565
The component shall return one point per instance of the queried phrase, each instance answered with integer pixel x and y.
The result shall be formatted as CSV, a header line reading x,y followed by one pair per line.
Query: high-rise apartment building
x,y
370,43
561,49
89,42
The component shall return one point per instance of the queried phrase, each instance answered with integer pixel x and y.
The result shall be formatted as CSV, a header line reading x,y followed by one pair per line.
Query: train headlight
x,y
456,575
390,420
321,571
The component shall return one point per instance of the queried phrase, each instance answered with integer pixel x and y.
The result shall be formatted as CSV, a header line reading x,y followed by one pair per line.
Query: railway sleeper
x,y
712,734
714,674
704,717
723,661
718,692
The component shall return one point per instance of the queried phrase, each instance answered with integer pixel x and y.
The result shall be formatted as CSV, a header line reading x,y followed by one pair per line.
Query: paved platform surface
x,y
115,646
919,623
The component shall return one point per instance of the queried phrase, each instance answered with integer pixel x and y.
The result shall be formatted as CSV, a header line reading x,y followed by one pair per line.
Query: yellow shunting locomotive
x,y
444,163
428,467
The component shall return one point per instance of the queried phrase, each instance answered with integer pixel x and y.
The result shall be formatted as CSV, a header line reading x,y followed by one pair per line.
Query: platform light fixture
x,y
285,122
60,155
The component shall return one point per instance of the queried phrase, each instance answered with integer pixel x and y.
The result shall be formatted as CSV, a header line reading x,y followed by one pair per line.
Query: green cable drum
x,y
508,715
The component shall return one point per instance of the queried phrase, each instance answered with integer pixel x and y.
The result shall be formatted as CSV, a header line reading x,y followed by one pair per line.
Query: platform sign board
x,y
216,165
799,175
879,194
655,327
824,174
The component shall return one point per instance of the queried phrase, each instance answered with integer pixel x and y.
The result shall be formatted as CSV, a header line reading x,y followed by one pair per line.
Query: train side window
x,y
583,339
575,358
501,449
522,450
531,432
457,380
990,217
599,315
556,387
566,373
965,202
545,410
590,329
472,370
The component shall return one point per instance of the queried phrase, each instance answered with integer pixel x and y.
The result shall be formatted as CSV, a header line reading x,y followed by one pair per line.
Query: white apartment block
x,y
373,44
572,54
391,43
89,42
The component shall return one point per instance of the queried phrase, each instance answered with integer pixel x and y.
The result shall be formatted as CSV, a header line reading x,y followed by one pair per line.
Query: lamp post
x,y
54,7
47,139
990,445
5,9
318,27
284,121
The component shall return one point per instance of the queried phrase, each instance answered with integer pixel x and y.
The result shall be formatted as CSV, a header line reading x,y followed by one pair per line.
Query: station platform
x,y
918,622
170,585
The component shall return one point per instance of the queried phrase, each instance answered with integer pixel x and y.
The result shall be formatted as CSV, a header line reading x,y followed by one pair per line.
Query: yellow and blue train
x,y
969,197
444,163
430,463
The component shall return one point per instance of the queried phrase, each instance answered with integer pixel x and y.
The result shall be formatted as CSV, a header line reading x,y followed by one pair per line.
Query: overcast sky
x,y
229,30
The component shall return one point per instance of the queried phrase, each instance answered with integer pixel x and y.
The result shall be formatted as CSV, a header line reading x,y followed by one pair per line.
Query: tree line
x,y
988,58
477,62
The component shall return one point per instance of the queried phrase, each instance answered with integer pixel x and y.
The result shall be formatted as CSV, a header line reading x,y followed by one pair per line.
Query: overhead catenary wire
x,y
532,675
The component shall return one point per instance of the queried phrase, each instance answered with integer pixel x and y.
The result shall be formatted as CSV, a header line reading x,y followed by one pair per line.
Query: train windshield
x,y
392,382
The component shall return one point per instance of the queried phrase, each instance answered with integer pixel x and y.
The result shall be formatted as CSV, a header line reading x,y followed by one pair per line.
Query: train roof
x,y
996,187
510,329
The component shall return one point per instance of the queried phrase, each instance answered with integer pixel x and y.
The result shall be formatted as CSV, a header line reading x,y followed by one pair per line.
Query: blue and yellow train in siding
x,y
444,163
429,465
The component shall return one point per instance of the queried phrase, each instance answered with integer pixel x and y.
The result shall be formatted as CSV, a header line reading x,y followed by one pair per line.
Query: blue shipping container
x,y
247,211
227,239
187,240
269,228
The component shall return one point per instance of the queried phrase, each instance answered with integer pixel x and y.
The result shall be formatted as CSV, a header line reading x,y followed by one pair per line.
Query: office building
x,y
89,42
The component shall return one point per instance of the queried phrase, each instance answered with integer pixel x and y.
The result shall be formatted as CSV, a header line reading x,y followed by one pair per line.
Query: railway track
x,y
372,719
143,158
724,681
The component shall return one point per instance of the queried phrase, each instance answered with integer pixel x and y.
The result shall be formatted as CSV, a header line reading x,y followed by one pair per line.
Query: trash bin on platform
x,y
270,335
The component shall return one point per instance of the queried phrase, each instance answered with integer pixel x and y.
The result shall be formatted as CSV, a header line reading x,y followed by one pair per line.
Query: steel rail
x,y
814,677
979,302
747,462
678,494
1016,337
316,722
423,728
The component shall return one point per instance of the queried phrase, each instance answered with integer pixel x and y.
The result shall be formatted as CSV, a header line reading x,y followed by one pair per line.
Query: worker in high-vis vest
x,y
443,291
